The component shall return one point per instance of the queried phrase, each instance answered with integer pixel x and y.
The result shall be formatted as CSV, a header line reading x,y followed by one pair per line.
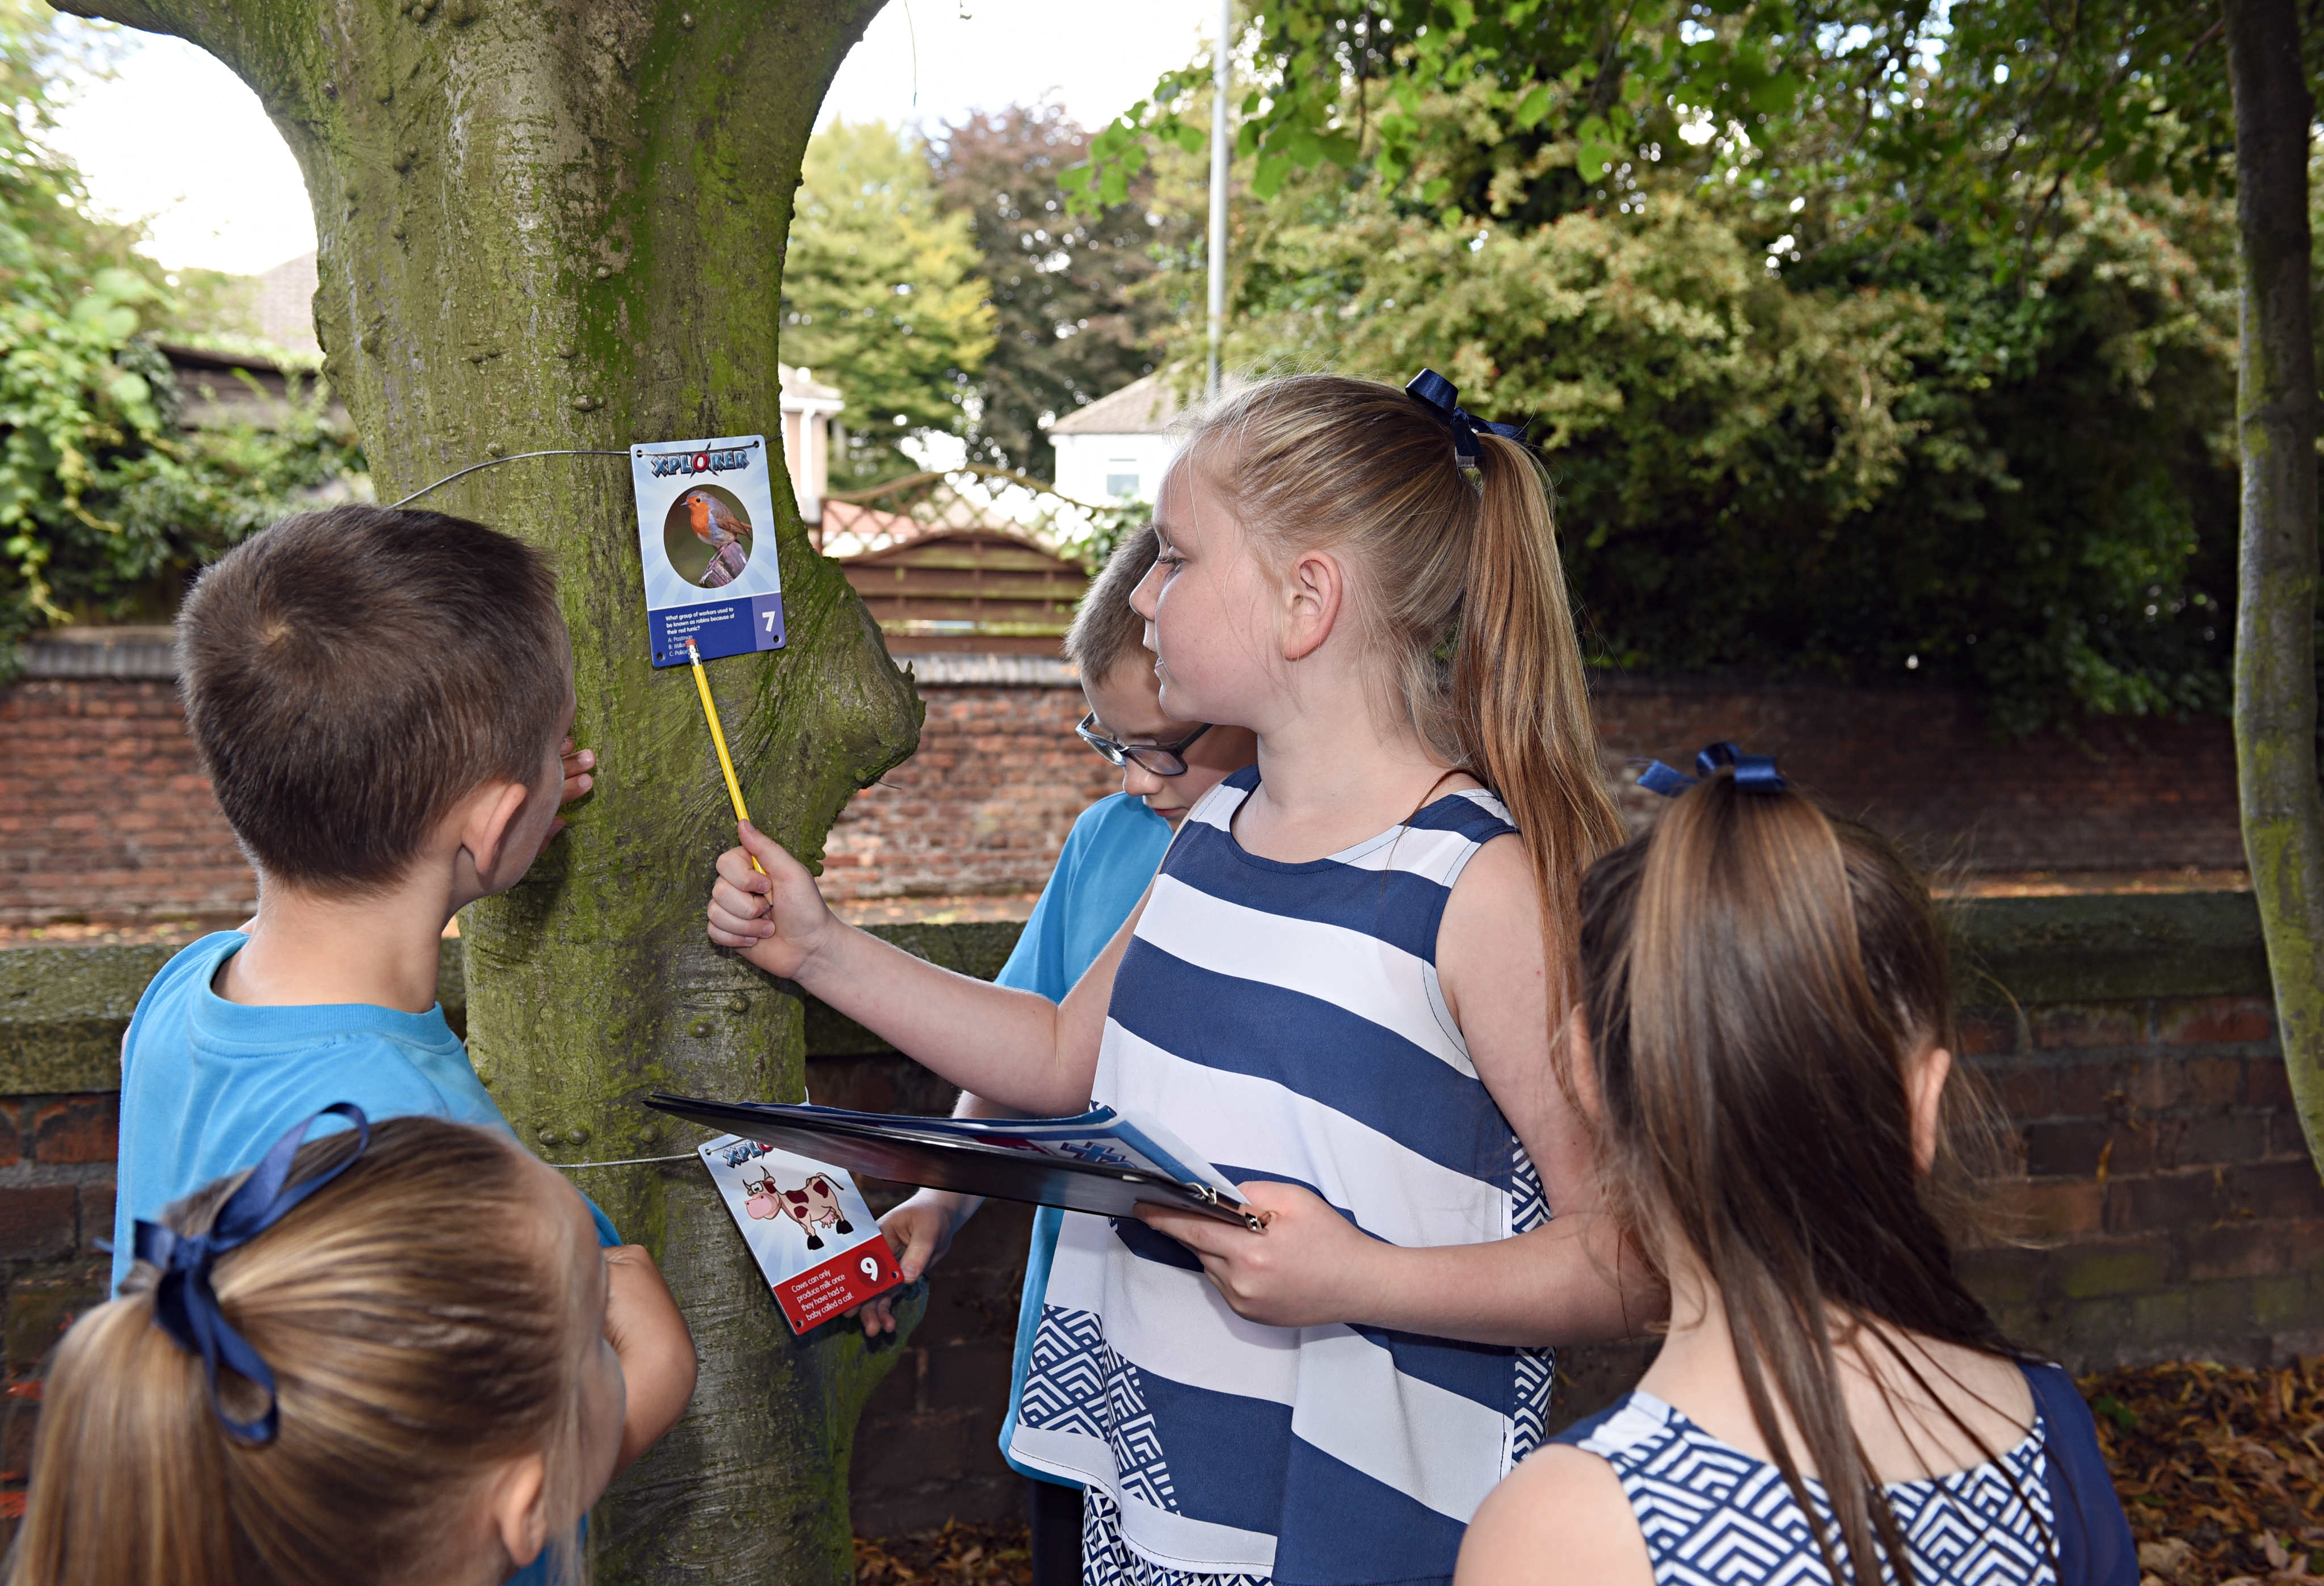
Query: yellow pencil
x,y
718,736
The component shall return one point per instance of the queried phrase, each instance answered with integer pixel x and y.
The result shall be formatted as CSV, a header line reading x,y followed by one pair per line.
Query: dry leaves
x,y
2221,1471
957,1556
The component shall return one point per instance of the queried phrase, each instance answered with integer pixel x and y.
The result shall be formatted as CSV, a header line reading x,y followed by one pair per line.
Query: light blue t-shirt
x,y
207,1085
1109,857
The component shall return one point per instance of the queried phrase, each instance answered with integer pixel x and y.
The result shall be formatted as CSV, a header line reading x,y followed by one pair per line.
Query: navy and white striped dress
x,y
2044,1514
1285,1020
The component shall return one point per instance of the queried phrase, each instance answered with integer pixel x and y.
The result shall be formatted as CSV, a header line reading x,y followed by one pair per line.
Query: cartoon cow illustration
x,y
813,1205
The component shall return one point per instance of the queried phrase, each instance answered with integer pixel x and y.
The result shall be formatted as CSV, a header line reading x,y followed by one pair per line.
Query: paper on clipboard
x,y
1097,1161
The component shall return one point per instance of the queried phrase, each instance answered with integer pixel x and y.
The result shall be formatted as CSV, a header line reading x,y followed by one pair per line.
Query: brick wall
x,y
103,814
56,1200
982,807
1924,766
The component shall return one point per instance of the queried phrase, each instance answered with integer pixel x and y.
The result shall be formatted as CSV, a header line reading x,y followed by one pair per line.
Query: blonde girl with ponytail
x,y
1341,988
1764,1046
319,1374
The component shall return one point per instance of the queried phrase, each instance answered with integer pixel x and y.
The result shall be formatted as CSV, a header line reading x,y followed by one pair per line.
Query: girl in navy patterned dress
x,y
1763,1047
1341,989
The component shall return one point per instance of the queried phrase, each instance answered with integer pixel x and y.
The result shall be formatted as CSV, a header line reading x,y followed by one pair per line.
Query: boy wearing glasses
x,y
1113,852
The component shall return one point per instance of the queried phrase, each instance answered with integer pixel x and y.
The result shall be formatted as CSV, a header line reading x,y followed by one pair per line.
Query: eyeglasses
x,y
1164,760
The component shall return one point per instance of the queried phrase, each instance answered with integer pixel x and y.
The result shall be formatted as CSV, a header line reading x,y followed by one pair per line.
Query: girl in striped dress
x,y
1763,1047
1341,989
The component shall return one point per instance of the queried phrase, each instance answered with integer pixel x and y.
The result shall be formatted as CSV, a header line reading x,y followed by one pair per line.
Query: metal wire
x,y
622,1162
513,457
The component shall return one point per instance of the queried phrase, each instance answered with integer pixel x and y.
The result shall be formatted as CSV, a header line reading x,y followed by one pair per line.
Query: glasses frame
x,y
1116,752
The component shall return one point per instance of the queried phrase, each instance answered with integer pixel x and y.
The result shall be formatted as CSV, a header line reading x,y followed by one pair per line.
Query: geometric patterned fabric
x,y
1713,1515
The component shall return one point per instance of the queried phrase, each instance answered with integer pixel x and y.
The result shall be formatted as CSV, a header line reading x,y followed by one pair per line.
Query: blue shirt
x,y
208,1084
1112,852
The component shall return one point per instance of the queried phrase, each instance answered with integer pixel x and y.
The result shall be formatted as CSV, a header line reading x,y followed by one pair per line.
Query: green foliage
x,y
1869,341
880,290
105,507
1889,466
1070,322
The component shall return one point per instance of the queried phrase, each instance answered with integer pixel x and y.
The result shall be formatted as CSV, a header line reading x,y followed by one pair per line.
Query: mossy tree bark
x,y
2275,624
560,224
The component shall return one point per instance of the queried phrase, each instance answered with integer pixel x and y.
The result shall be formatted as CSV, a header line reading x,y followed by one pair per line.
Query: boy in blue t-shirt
x,y
379,698
1111,854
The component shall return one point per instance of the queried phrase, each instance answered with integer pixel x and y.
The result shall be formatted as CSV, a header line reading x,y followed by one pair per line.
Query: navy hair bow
x,y
185,1305
1442,398
1754,773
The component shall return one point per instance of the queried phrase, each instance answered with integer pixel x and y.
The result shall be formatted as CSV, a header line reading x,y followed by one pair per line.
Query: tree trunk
x,y
2275,624
560,224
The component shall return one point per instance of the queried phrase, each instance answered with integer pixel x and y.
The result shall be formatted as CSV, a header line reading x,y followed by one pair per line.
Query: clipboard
x,y
936,1153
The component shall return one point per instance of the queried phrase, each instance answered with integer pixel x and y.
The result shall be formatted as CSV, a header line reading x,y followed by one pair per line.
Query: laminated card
x,y
706,536
808,1227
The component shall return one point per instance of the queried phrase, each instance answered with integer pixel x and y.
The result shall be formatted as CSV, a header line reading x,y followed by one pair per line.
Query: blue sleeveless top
x,y
1285,1020
2045,1514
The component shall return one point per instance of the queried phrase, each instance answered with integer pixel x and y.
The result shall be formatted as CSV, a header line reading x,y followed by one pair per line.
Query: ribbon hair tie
x,y
1441,397
186,1307
1754,773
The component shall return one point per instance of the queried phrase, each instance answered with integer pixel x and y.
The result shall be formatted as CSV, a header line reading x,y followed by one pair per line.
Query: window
x,y
1121,476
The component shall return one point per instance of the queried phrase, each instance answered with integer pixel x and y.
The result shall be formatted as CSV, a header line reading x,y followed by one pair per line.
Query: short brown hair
x,y
409,1357
1106,632
350,674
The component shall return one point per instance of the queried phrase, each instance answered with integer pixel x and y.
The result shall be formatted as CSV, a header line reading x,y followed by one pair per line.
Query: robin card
x,y
706,538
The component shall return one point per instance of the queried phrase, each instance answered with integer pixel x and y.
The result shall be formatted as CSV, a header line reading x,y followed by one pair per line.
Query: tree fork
x,y
2275,626
561,222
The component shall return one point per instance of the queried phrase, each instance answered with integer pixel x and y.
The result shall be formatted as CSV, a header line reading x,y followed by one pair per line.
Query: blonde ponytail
x,y
411,1356
1461,590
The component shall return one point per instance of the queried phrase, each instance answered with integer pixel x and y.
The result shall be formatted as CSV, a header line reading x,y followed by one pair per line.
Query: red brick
x,y
2248,1251
2216,1021
2051,1209
38,1222
2277,1190
97,1208
76,1128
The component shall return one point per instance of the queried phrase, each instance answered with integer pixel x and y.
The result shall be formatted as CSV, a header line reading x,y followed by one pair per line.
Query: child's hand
x,y
657,1352
578,764
777,918
919,1231
1310,1267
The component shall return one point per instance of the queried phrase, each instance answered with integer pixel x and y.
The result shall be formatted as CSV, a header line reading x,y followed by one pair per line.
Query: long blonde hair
x,y
411,1358
1461,592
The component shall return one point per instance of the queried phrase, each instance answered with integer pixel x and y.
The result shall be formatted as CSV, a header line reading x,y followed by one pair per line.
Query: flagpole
x,y
1223,83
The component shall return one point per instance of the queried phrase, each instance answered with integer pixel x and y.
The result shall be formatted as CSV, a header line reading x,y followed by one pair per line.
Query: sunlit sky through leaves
x,y
173,138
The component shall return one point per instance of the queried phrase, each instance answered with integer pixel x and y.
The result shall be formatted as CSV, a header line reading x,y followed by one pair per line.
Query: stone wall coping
x,y
147,652
63,1007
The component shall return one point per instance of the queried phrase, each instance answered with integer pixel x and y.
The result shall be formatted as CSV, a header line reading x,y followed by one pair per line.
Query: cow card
x,y
706,538
807,1226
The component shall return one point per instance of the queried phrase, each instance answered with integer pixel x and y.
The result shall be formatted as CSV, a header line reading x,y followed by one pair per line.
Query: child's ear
x,y
519,1508
492,810
1314,589
1925,1089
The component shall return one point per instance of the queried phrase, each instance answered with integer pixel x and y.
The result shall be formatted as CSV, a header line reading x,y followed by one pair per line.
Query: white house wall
x,y
1099,468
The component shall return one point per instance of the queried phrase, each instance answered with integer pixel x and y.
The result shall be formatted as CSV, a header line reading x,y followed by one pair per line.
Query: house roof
x,y
801,382
1144,407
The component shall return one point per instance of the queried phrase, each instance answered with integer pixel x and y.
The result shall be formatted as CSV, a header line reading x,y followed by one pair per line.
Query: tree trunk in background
x,y
2275,624
560,223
